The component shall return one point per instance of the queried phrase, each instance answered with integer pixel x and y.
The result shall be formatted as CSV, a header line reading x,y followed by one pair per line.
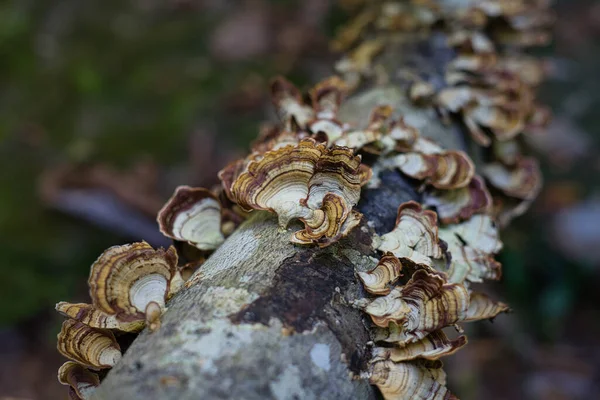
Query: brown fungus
x,y
453,206
522,181
415,235
379,279
410,380
289,104
91,316
425,304
482,307
309,182
93,348
431,347
192,215
472,245
81,381
129,281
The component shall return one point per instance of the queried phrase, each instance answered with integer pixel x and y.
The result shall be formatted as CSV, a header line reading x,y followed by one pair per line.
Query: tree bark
x,y
270,320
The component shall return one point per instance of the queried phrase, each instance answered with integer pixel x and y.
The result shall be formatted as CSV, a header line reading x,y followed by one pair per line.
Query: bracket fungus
x,y
415,235
93,348
482,307
522,180
379,279
91,316
309,182
453,206
129,284
192,215
410,380
126,280
425,304
472,245
308,168
431,347
425,160
81,381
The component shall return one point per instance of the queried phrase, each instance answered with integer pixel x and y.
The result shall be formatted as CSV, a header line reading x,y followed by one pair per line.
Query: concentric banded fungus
x,y
443,169
90,347
453,206
415,235
482,307
410,380
472,245
192,215
522,181
425,304
288,103
327,96
379,279
82,381
125,280
308,181
373,133
90,316
431,347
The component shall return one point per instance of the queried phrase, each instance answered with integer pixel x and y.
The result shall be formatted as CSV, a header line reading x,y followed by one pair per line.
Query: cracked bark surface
x,y
271,320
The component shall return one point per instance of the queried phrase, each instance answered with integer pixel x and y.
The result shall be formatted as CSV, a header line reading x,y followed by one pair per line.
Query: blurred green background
x,y
106,106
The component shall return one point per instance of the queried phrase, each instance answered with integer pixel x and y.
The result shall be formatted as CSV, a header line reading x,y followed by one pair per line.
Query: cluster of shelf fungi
x,y
309,168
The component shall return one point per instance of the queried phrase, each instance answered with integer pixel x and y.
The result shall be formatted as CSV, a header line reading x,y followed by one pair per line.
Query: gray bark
x,y
270,320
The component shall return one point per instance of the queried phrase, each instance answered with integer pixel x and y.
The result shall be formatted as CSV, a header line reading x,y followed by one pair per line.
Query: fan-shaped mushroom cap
x,y
375,131
482,307
415,235
472,245
90,316
443,170
523,180
431,347
82,381
125,279
327,96
288,103
425,304
457,205
387,271
410,380
192,215
91,347
307,181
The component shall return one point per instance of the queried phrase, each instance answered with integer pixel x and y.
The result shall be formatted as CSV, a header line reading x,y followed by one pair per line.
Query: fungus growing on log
x,y
81,381
482,307
425,304
453,206
129,286
431,347
415,235
192,215
410,380
472,245
93,348
379,279
125,280
91,316
257,288
522,181
310,182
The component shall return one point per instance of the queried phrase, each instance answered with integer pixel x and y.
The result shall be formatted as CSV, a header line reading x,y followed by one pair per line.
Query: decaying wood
x,y
270,320
266,319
